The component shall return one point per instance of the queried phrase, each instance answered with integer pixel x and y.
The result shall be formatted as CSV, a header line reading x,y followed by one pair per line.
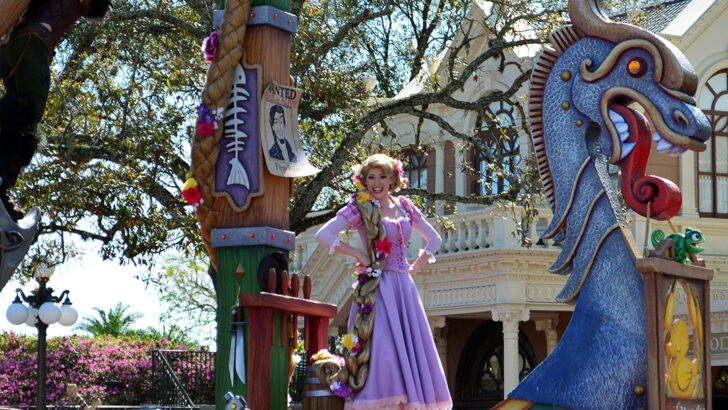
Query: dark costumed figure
x,y
25,59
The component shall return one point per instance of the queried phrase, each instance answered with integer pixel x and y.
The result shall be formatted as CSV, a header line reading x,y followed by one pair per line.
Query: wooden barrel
x,y
11,11
317,396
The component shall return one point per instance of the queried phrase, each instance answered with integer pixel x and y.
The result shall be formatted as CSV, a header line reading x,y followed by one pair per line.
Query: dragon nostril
x,y
680,119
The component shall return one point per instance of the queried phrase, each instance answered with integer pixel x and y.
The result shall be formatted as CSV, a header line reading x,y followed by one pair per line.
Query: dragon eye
x,y
637,67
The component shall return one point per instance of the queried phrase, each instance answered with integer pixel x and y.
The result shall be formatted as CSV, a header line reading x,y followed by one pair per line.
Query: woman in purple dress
x,y
392,362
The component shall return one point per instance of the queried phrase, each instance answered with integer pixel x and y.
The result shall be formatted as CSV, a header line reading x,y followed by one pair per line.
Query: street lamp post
x,y
42,310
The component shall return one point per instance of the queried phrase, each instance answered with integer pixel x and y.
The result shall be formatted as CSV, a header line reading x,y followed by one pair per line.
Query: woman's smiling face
x,y
378,183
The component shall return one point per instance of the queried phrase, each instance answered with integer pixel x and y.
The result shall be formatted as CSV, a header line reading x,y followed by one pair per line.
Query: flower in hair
x,y
398,166
376,203
341,389
191,192
363,196
349,341
205,129
365,308
383,245
356,349
376,273
209,46
324,354
357,181
209,118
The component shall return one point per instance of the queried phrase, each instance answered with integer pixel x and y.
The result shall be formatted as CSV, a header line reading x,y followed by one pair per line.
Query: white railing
x,y
492,228
474,229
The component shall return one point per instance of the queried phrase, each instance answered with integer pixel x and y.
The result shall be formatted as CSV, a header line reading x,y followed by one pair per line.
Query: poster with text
x,y
282,147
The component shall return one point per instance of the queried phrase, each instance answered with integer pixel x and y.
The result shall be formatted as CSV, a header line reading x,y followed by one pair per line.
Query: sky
x,y
92,282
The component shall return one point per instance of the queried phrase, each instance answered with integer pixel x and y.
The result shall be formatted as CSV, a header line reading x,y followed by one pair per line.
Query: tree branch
x,y
344,30
196,31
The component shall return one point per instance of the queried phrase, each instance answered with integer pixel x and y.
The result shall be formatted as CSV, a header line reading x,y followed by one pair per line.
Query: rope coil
x,y
220,76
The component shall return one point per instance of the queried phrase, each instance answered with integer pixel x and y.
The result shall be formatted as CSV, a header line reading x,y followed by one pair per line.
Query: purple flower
x,y
209,47
365,309
341,389
363,277
356,349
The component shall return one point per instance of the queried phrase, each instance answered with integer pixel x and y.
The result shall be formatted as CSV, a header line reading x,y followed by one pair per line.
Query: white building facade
x,y
490,301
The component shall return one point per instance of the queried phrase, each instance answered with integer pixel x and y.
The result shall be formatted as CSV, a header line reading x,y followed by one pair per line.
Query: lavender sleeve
x,y
348,217
327,234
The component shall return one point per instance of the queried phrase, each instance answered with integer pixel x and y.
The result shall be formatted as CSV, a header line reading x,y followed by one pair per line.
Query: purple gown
x,y
405,371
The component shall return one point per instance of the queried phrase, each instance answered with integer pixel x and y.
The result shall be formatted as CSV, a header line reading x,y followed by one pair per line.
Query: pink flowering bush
x,y
88,362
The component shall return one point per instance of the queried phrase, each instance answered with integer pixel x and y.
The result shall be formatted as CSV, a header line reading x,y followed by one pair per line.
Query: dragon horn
x,y
589,17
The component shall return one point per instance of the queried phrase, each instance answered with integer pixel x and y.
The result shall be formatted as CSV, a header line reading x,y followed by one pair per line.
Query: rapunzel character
x,y
391,359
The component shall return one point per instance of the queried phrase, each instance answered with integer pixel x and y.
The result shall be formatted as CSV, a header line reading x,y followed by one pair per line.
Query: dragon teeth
x,y
656,137
627,148
620,125
615,117
664,145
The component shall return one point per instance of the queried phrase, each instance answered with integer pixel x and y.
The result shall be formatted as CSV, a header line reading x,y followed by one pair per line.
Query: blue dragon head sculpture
x,y
601,94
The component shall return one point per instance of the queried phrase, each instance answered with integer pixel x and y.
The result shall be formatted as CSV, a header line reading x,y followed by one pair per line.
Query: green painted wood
x,y
227,295
278,369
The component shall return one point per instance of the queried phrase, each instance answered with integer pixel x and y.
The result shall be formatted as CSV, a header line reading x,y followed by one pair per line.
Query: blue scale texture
x,y
602,355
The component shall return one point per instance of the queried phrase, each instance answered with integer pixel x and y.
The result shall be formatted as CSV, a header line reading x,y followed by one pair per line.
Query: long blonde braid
x,y
220,76
357,367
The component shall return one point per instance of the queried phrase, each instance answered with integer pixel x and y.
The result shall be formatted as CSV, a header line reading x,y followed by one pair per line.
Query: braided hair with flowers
x,y
353,376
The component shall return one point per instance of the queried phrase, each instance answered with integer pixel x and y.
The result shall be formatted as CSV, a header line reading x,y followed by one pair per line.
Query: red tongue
x,y
638,190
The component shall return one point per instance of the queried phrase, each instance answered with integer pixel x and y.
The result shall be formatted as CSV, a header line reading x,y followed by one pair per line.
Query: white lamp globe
x,y
68,315
32,317
17,313
49,313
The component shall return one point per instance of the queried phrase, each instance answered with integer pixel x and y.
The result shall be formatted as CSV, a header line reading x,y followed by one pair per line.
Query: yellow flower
x,y
190,183
363,197
350,340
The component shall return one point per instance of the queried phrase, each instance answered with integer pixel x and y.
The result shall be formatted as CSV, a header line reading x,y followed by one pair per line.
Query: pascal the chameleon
x,y
684,244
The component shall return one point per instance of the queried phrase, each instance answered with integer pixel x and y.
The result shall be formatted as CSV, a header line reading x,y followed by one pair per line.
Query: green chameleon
x,y
684,244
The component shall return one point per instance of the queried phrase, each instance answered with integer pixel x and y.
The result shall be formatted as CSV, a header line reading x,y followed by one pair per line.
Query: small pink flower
x,y
192,195
205,129
209,46
357,348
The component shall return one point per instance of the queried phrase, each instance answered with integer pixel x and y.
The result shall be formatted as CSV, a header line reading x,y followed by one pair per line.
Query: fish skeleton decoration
x,y
584,88
237,176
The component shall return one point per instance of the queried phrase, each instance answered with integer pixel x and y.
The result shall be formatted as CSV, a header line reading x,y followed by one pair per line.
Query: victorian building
x,y
490,301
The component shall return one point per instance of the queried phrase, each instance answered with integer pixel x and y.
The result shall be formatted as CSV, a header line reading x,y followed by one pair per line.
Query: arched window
x,y
713,162
501,153
479,379
415,168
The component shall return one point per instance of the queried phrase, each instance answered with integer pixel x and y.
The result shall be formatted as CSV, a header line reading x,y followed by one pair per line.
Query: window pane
x,y
718,82
423,178
706,99
722,197
706,193
721,155
705,159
